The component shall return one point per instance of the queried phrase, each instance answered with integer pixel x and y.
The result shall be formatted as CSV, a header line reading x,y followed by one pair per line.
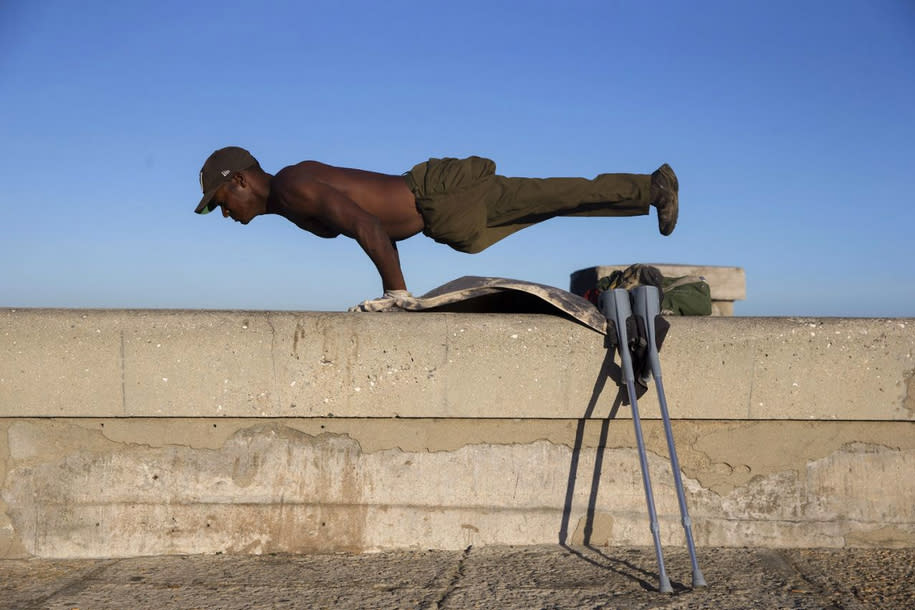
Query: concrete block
x,y
264,364
832,368
219,362
340,364
727,284
51,360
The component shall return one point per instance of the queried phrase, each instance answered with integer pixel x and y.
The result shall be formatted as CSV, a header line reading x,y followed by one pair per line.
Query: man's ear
x,y
239,178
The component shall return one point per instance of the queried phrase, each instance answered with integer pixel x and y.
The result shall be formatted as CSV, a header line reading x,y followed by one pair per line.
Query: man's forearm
x,y
391,274
383,252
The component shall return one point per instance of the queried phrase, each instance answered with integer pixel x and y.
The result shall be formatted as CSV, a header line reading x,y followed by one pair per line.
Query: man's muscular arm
x,y
312,200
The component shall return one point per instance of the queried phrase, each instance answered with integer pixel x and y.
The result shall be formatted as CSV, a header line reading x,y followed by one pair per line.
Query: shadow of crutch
x,y
608,371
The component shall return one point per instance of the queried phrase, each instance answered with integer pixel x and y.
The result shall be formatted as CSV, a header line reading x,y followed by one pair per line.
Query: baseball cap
x,y
219,169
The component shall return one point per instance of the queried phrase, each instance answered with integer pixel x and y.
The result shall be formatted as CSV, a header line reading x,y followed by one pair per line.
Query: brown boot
x,y
664,187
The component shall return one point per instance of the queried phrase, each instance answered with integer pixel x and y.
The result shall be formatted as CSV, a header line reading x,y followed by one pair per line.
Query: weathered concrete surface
x,y
157,432
260,364
492,577
107,488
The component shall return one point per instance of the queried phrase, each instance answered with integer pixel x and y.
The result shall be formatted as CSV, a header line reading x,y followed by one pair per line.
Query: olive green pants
x,y
465,205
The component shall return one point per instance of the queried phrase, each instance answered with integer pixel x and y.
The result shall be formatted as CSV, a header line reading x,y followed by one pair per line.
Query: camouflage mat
x,y
473,294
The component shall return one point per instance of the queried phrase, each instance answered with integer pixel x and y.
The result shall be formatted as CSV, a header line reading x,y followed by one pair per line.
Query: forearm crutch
x,y
616,307
646,302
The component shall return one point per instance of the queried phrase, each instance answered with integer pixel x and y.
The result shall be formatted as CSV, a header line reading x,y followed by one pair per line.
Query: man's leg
x,y
536,199
515,203
467,206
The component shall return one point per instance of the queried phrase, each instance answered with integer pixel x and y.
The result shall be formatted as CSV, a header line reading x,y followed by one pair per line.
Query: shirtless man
x,y
460,202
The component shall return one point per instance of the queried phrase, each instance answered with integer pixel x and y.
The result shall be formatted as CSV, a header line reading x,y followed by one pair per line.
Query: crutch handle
x,y
616,306
647,305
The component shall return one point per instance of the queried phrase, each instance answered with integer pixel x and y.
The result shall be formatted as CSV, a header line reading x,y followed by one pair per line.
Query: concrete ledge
x,y
57,363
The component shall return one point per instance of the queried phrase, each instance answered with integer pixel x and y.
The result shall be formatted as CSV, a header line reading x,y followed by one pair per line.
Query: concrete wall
x,y
147,432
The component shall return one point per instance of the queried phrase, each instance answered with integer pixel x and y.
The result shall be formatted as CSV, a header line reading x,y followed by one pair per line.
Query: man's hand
x,y
391,300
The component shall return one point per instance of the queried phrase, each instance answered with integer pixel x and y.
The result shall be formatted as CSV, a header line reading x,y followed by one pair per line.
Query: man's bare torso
x,y
384,196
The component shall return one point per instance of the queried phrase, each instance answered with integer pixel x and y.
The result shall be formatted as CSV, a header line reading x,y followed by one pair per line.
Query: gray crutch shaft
x,y
646,300
615,305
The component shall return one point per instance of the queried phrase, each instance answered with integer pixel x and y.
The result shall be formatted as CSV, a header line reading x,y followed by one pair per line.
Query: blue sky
x,y
790,124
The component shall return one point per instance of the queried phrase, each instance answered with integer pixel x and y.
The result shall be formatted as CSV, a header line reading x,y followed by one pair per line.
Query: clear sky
x,y
791,125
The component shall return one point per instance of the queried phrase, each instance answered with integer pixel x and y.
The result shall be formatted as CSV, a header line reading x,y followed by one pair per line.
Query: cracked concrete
x,y
909,398
720,455
70,490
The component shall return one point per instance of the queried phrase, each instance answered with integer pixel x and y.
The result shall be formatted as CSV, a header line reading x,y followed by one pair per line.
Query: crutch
x,y
616,307
646,303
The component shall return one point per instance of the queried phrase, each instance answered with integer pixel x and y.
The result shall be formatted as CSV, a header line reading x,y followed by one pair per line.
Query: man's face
x,y
237,201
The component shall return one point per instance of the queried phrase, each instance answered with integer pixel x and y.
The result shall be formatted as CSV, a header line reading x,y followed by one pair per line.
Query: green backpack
x,y
686,296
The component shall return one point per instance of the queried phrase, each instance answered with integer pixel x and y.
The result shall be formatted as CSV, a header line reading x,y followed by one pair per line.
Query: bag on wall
x,y
688,295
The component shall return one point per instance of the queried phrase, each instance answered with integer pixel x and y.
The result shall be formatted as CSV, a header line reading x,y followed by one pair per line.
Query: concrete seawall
x,y
128,433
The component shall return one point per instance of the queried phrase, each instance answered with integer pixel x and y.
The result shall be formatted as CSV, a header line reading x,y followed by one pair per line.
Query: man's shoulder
x,y
304,170
298,177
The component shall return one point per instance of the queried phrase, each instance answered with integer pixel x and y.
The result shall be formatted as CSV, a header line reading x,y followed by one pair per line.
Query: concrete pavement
x,y
487,577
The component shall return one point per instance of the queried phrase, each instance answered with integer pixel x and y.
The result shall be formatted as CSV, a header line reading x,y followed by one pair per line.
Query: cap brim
x,y
204,206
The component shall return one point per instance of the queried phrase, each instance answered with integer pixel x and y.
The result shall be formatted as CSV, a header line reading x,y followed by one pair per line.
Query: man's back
x,y
382,195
